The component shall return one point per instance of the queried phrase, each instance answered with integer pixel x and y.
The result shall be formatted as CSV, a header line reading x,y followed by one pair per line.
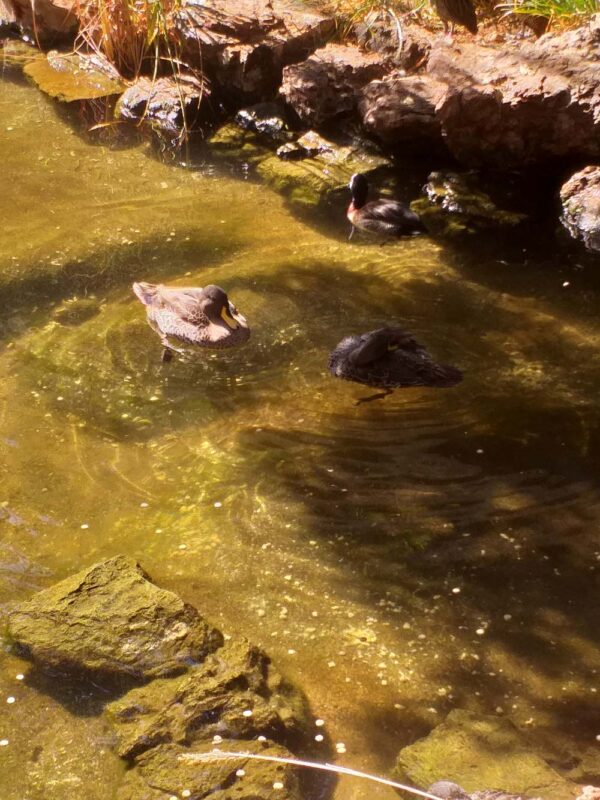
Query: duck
x,y
192,316
382,216
389,358
456,12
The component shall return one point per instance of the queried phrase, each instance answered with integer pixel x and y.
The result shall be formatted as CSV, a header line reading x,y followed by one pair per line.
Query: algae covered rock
x,y
73,76
457,203
235,693
481,752
169,771
110,618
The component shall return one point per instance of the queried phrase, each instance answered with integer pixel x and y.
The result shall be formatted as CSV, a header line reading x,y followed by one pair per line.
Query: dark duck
x,y
382,216
456,12
447,790
192,316
389,358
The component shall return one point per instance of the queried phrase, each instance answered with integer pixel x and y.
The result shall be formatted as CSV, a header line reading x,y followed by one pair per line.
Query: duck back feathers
x,y
389,358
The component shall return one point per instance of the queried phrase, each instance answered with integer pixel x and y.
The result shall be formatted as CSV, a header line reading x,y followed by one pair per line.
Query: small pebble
x,y
4,742
85,526
186,793
480,631
319,723
319,737
479,452
10,700
247,713
340,747
20,676
456,590
217,739
262,738
278,785
240,773
508,617
566,283
217,504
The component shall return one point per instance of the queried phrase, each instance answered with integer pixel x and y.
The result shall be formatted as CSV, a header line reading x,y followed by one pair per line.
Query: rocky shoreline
x,y
478,105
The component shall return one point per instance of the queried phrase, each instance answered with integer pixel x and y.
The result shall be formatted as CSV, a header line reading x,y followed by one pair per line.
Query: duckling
x,y
389,358
382,216
192,315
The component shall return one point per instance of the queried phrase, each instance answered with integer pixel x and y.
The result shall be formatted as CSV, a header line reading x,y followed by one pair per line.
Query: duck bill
x,y
228,318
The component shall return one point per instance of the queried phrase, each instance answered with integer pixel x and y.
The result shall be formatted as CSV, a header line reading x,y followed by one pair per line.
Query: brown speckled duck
x,y
193,316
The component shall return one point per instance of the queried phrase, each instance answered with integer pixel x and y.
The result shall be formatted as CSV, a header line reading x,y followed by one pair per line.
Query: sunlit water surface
x,y
397,559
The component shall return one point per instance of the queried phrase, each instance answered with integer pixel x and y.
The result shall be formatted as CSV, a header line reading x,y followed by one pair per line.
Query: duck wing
x,y
184,303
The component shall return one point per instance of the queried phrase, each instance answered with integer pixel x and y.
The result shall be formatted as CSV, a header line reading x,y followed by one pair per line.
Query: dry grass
x,y
134,35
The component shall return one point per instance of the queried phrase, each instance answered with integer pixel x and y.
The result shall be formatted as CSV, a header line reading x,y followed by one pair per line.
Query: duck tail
x,y
146,292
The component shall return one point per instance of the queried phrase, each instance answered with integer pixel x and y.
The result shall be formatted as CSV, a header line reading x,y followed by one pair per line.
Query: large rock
x,y
49,21
326,86
168,771
514,107
167,103
234,694
481,752
243,45
401,112
112,619
72,76
580,198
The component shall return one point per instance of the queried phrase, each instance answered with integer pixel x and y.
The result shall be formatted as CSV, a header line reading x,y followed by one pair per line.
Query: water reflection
x,y
398,559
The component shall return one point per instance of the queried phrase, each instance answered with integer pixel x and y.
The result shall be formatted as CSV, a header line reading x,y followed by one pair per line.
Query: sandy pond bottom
x,y
397,559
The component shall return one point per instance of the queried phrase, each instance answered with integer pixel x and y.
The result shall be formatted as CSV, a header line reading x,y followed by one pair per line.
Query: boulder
x,y
169,771
48,21
234,694
166,103
8,18
111,619
243,45
481,752
401,112
516,107
326,86
580,198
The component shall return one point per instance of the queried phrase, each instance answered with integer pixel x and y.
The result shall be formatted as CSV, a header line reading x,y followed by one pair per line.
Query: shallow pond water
x,y
397,559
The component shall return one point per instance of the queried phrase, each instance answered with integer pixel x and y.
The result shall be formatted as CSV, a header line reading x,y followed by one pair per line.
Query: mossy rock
x,y
235,693
457,204
73,76
481,752
164,773
111,619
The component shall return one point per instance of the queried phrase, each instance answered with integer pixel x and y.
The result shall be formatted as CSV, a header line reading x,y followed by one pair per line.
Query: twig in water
x,y
222,754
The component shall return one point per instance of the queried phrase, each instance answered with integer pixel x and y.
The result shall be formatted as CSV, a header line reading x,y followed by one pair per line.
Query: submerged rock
x,y
325,87
580,198
480,752
72,76
167,103
266,119
166,772
235,694
76,310
111,619
456,203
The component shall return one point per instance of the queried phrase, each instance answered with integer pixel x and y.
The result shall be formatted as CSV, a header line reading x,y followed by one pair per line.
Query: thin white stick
x,y
216,753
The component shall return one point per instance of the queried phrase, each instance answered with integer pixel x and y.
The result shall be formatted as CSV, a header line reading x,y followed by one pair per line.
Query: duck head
x,y
359,189
218,308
